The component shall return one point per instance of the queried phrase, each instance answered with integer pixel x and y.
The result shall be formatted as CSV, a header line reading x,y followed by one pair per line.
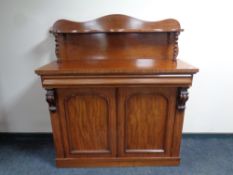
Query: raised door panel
x,y
146,117
88,121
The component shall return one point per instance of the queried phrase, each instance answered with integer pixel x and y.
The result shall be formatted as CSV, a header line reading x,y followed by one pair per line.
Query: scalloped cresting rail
x,y
115,23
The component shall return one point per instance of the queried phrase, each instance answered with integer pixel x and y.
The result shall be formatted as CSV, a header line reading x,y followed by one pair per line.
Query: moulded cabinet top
x,y
115,23
119,66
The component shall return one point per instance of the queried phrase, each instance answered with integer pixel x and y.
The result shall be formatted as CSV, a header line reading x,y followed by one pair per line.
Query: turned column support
x,y
51,99
182,97
176,47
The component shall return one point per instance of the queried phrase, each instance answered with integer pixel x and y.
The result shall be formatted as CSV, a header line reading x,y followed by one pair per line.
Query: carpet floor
x,y
201,155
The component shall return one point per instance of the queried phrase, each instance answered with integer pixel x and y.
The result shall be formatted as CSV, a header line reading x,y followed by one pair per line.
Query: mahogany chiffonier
x,y
116,93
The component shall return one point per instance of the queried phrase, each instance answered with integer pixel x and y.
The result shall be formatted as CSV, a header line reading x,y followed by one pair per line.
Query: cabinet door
x,y
146,118
87,117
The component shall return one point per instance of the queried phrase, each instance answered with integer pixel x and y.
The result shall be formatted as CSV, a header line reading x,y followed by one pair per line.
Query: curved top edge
x,y
115,23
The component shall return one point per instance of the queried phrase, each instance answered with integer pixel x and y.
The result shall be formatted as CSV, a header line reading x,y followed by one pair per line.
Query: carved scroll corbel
x,y
51,99
182,97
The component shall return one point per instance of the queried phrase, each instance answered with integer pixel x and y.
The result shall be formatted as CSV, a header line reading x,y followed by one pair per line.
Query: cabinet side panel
x,y
177,135
57,135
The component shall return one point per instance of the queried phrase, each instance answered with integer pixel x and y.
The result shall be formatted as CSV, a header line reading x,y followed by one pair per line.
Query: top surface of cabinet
x,y
121,66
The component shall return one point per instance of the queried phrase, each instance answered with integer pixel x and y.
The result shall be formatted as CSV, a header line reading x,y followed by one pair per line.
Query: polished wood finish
x,y
119,66
151,81
115,23
146,118
89,121
122,161
116,46
117,93
116,37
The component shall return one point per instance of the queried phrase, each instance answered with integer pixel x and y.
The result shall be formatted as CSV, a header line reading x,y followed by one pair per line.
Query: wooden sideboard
x,y
117,92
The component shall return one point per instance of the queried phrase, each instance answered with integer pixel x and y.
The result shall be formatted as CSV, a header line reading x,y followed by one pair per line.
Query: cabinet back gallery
x,y
116,92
